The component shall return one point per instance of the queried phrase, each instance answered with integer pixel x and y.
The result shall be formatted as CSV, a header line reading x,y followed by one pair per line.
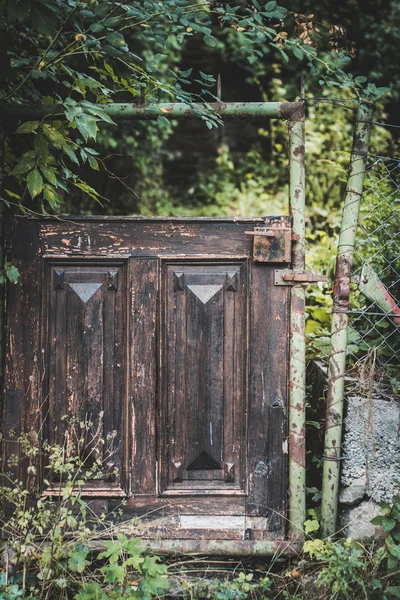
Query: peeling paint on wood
x,y
167,333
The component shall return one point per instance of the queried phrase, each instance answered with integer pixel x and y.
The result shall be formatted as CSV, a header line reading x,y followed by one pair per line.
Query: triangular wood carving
x,y
203,462
85,290
204,292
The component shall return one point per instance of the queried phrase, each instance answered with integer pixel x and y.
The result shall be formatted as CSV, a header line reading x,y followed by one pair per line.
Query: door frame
x,y
294,114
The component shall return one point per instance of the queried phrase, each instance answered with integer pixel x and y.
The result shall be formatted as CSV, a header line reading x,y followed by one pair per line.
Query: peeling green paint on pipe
x,y
297,368
280,110
341,292
2,256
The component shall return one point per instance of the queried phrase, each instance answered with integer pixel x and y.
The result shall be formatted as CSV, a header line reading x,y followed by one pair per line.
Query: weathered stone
x,y
355,522
371,449
354,492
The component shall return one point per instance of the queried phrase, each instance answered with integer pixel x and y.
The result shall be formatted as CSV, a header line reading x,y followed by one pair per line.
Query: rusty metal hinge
x,y
289,277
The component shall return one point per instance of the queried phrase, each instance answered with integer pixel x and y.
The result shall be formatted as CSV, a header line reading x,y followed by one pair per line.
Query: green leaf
x,y
116,39
77,561
11,272
393,591
87,126
50,196
25,164
49,173
43,18
388,524
93,163
271,6
311,525
97,111
28,127
91,591
72,109
42,148
113,52
34,183
284,55
112,21
53,135
298,52
395,533
393,548
278,13
210,41
113,573
163,121
69,151
96,28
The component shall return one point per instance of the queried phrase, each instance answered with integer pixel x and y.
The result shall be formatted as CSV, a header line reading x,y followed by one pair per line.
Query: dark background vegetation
x,y
240,169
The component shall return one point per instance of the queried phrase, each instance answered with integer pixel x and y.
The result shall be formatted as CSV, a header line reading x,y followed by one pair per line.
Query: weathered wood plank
x,y
146,238
23,360
142,342
221,505
268,397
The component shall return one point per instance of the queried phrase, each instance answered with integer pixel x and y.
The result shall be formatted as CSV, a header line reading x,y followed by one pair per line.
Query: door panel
x,y
204,349
86,362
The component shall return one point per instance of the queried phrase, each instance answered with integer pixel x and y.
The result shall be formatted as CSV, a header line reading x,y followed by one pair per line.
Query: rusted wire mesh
x,y
374,319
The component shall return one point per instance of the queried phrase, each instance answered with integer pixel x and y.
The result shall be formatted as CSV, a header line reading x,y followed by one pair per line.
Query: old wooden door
x,y
172,340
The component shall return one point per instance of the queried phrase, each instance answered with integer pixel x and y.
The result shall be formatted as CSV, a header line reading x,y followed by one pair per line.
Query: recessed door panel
x,y
204,354
86,363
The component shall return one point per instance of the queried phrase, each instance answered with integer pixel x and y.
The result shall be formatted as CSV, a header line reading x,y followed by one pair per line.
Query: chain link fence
x,y
373,347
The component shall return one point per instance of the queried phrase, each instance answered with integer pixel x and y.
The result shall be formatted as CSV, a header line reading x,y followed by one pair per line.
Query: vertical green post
x,y
341,295
297,368
2,254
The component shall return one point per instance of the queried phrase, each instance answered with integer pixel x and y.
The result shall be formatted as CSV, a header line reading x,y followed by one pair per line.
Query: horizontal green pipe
x,y
281,110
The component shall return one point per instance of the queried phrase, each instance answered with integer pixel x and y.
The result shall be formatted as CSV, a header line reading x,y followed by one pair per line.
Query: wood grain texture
x,y
23,360
142,343
165,332
86,325
146,238
204,339
269,343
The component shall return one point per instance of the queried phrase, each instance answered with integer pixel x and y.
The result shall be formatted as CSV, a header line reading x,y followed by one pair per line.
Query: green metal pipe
x,y
2,255
281,110
341,294
297,368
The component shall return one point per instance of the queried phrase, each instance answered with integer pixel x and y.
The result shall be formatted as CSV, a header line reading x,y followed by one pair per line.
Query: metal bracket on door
x,y
273,241
289,277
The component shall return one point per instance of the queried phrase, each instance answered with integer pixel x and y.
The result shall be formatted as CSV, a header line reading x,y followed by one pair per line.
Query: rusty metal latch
x,y
289,277
273,240
259,231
